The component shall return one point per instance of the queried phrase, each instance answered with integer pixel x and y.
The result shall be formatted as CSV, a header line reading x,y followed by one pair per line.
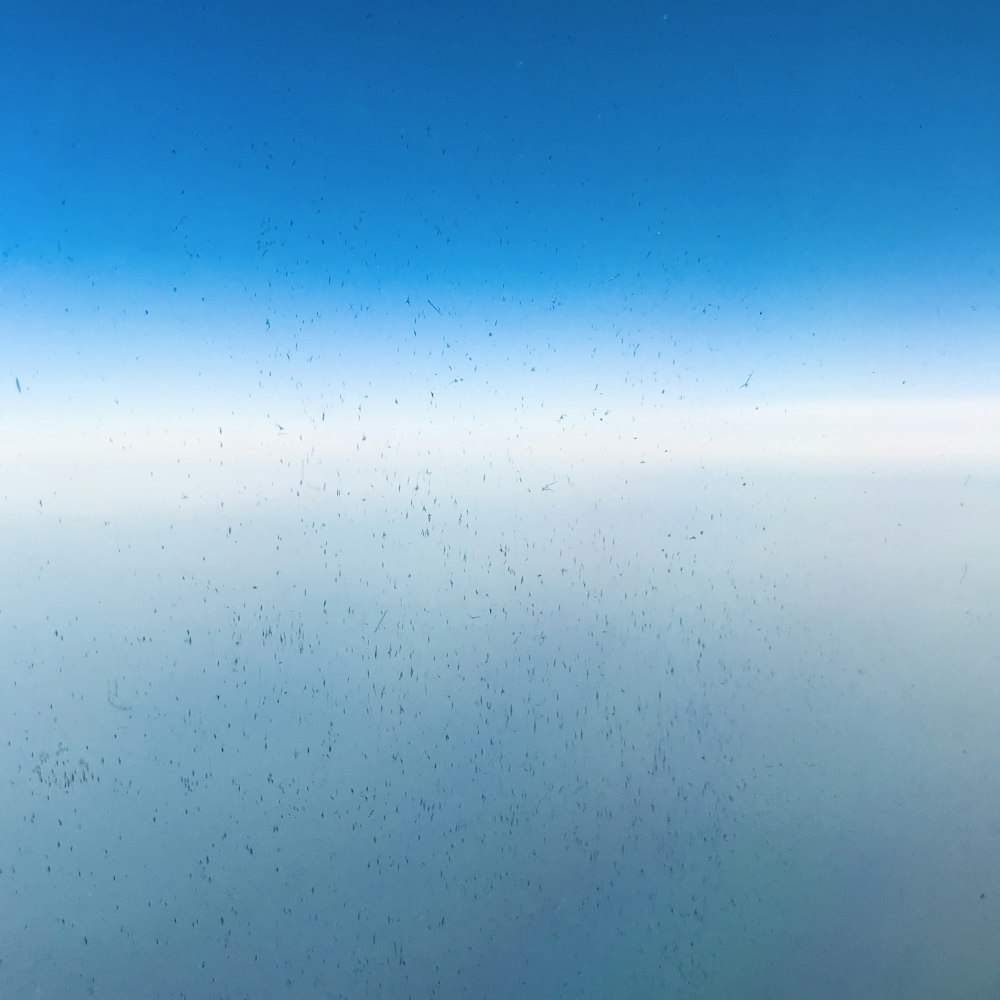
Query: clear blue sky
x,y
775,169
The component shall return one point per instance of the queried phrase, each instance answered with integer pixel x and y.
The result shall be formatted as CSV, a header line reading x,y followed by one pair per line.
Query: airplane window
x,y
499,501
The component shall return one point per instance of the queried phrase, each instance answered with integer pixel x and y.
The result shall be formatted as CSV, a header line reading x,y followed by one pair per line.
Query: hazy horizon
x,y
499,502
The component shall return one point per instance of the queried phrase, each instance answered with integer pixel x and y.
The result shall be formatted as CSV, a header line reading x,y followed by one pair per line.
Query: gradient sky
x,y
201,198
511,484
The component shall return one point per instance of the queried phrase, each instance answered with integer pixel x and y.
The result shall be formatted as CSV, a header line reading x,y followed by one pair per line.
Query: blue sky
x,y
707,190
770,153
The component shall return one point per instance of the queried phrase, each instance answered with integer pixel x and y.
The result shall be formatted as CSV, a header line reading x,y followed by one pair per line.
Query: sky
x,y
203,199
764,173
502,499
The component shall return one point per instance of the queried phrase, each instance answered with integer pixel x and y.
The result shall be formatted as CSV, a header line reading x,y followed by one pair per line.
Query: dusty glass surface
x,y
499,502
